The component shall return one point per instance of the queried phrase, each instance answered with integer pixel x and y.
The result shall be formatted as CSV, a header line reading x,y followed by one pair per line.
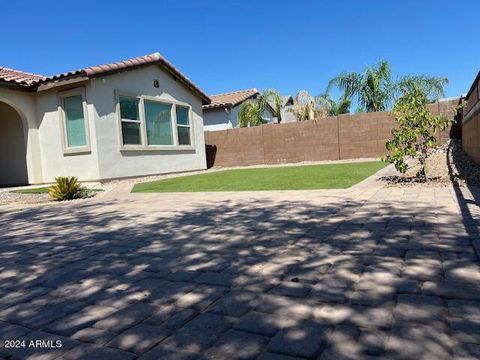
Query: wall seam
x,y
338,138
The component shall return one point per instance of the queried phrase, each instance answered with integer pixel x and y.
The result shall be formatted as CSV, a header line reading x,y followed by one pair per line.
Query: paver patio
x,y
361,273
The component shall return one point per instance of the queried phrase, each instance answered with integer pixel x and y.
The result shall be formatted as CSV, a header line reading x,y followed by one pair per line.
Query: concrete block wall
x,y
331,138
471,122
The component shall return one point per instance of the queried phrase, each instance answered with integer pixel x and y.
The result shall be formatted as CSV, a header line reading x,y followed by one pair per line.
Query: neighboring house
x,y
287,107
222,112
286,112
136,117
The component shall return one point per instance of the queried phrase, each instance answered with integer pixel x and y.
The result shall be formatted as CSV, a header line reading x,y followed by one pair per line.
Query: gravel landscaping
x,y
14,196
8,197
446,164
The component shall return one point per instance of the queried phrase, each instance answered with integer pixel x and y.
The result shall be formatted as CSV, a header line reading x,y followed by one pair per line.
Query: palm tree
x,y
274,97
430,86
375,90
332,107
252,110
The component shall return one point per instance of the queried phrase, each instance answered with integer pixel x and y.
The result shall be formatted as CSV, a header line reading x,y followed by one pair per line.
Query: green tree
x,y
252,110
375,90
431,86
332,107
414,134
372,89
273,97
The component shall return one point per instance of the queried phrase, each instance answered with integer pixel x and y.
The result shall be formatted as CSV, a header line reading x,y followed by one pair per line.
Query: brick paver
x,y
368,272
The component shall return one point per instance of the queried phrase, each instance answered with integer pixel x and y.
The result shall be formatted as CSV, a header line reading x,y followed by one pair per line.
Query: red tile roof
x,y
18,77
230,99
26,79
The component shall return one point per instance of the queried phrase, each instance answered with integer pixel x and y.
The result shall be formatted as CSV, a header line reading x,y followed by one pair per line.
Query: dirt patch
x,y
446,165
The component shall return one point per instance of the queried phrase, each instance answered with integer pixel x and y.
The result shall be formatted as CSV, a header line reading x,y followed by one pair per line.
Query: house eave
x,y
61,82
15,86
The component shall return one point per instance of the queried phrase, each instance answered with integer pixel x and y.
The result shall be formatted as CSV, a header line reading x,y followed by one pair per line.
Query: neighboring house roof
x,y
287,100
231,98
23,79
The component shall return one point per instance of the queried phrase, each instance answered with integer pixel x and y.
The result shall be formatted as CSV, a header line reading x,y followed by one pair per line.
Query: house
x,y
286,113
135,117
222,112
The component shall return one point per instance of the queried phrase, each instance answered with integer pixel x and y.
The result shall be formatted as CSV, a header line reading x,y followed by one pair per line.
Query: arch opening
x,y
13,152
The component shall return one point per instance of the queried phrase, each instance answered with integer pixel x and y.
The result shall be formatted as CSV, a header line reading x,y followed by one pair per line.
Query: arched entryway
x,y
13,154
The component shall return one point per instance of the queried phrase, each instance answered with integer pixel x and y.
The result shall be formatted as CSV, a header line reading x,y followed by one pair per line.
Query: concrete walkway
x,y
368,272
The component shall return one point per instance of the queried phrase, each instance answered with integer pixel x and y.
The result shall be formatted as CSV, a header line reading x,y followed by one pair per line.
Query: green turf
x,y
328,176
40,190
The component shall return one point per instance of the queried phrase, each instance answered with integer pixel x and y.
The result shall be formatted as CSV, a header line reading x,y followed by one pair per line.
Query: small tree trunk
x,y
422,159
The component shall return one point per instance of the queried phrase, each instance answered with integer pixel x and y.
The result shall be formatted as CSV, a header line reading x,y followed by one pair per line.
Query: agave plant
x,y
67,188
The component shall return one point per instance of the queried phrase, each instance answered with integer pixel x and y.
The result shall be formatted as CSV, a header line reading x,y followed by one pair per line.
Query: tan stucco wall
x,y
13,157
43,129
54,161
116,163
24,104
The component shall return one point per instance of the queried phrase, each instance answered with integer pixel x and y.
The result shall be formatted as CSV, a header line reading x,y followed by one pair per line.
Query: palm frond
x,y
431,86
272,95
250,113
349,83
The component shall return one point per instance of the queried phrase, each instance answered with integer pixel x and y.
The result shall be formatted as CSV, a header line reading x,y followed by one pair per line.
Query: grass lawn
x,y
327,176
40,190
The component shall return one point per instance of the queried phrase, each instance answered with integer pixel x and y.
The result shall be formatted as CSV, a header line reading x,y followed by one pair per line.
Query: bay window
x,y
158,120
149,123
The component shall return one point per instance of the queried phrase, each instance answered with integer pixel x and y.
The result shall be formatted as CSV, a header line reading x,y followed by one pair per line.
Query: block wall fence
x,y
471,122
332,138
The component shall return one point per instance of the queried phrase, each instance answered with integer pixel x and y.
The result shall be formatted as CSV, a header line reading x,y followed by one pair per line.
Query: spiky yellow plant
x,y
67,188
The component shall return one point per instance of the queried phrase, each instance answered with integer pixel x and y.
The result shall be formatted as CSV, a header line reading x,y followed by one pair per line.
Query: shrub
x,y
415,132
67,188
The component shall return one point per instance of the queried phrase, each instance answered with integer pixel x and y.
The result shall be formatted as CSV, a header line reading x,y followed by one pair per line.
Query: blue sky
x,y
229,45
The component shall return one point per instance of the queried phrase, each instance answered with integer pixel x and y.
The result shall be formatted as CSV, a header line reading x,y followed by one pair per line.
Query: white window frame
x,y
143,128
63,126
118,95
189,126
